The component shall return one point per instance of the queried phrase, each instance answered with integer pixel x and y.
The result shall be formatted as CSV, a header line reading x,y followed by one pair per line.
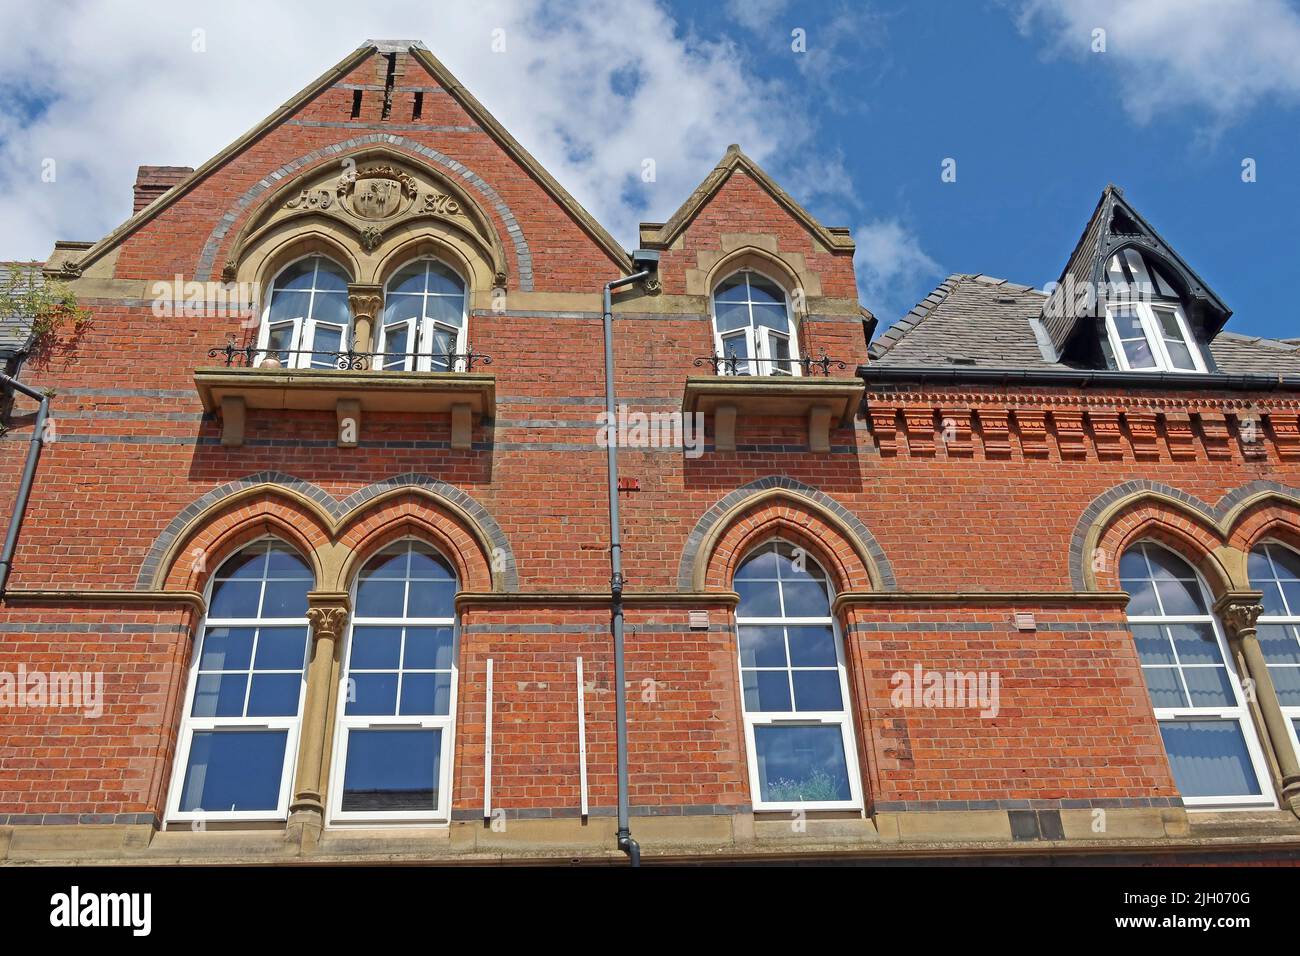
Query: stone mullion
x,y
1240,611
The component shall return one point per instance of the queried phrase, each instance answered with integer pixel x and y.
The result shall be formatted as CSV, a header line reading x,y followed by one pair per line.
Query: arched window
x,y
1145,322
424,319
1197,697
798,732
307,321
239,736
752,330
1275,570
393,753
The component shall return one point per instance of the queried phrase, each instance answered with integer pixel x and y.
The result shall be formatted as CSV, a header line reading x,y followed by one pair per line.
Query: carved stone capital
x,y
1239,611
328,613
365,300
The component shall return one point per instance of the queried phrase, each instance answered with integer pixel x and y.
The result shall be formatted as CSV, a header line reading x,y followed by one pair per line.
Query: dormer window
x,y
1145,321
752,331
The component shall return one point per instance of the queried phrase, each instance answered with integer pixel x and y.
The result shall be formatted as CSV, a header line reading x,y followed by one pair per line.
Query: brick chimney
x,y
152,181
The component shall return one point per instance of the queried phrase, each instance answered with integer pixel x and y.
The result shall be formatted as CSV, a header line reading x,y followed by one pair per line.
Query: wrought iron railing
x,y
251,356
733,364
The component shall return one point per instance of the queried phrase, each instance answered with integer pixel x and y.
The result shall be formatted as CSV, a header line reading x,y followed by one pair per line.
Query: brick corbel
x,y
1144,433
1031,423
1179,435
1250,432
1286,434
1070,435
955,430
884,426
919,423
995,428
1214,430
1106,433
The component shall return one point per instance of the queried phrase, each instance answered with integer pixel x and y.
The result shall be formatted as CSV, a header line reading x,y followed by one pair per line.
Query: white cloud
x,y
592,92
890,265
1220,56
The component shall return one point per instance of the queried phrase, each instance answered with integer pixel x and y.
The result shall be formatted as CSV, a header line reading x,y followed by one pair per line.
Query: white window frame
x,y
424,325
801,718
1292,711
758,338
1141,288
304,327
191,724
1239,713
344,724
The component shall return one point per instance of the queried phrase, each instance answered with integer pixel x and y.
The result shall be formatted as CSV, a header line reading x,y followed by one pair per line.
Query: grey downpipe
x,y
625,841
29,474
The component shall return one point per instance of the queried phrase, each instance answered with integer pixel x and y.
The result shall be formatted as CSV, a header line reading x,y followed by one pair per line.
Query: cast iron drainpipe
x,y
648,263
29,473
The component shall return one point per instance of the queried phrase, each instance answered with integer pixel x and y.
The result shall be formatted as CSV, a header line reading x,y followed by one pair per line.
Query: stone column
x,y
365,301
328,613
1239,611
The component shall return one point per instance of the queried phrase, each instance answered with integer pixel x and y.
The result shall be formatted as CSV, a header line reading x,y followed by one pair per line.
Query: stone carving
x,y
377,192
441,204
327,621
371,237
1238,616
311,199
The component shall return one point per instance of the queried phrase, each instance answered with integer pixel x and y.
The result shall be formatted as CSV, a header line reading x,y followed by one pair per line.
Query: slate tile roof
x,y
979,321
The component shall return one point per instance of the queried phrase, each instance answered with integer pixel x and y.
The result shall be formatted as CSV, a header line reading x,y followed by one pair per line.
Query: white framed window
x,y
239,736
1195,691
1147,327
393,747
424,320
751,323
798,729
307,320
1275,569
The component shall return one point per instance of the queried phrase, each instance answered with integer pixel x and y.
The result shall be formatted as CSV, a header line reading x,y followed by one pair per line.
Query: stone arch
x,y
777,506
760,260
265,263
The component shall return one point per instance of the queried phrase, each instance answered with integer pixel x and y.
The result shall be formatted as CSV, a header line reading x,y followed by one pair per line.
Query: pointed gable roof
x,y
445,79
655,235
1116,225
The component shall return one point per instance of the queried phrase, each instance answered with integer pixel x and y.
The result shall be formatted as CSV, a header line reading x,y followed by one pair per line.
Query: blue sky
x,y
856,126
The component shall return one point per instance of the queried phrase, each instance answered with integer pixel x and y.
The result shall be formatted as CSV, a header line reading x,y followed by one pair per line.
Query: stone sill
x,y
820,400
231,392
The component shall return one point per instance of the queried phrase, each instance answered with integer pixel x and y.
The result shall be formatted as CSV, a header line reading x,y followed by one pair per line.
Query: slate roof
x,y
978,321
16,330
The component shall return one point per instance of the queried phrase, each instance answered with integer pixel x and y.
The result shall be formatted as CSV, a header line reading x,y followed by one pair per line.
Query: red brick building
x,y
339,562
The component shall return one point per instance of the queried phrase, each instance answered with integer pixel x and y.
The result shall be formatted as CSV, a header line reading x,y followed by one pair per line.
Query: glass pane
x,y
283,562
732,290
801,764
1142,600
235,599
375,648
429,565
796,565
1258,567
812,646
1286,680
328,338
1195,643
1278,642
1166,564
449,310
1168,324
1291,592
1164,687
247,565
226,649
298,275
281,648
219,695
772,316
378,598
408,279
1209,758
431,599
764,290
817,690
758,599
428,647
392,770
1209,686
285,599
1129,325
234,770
426,694
1132,564
780,349
282,340
396,345
443,281
762,646
1286,563
735,349
332,309
805,599
389,563
372,695
1180,356
442,345
1138,353
274,695
766,691
732,316
330,277
1273,604
761,565
1181,597
1153,645
288,305
401,308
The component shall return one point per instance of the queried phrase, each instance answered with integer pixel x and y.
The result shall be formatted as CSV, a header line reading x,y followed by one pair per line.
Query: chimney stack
x,y
152,181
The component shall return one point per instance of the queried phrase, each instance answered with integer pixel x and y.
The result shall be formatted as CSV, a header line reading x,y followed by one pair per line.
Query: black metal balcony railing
x,y
250,356
733,364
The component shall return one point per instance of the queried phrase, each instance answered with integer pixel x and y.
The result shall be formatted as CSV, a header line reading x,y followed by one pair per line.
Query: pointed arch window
x,y
239,736
424,319
307,320
752,329
1191,678
1146,324
1275,569
393,749
799,735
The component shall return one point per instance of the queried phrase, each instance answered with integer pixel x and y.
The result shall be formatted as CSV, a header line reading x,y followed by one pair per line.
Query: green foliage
x,y
48,308
817,787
